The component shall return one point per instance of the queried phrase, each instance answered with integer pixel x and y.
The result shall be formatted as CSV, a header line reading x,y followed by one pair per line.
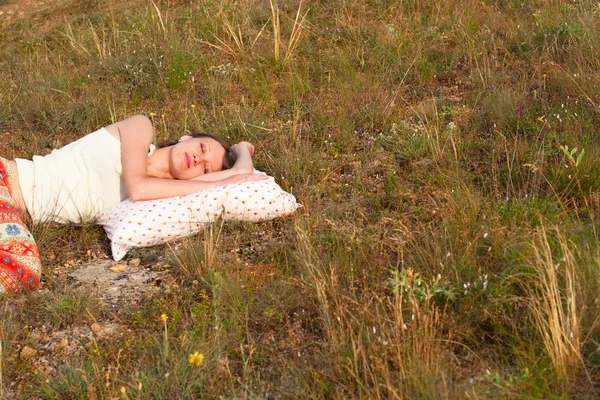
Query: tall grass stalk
x,y
418,339
235,32
322,280
438,136
200,256
99,43
162,27
296,34
391,345
553,295
276,28
297,30
75,42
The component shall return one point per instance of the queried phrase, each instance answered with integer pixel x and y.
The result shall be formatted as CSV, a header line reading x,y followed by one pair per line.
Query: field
x,y
446,154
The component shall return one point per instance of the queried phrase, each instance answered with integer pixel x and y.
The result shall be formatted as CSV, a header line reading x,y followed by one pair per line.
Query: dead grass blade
x,y
160,20
296,34
552,296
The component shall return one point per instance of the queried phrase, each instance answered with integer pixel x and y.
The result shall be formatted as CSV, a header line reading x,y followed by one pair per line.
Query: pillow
x,y
146,223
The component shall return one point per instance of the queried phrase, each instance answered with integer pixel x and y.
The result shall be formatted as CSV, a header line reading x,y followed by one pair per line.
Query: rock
x,y
81,331
111,329
118,268
96,328
135,262
107,329
28,353
59,335
424,162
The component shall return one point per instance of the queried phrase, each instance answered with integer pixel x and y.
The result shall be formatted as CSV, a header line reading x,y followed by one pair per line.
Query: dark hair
x,y
230,155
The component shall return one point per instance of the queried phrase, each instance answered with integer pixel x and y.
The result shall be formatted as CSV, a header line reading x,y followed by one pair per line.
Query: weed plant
x,y
448,243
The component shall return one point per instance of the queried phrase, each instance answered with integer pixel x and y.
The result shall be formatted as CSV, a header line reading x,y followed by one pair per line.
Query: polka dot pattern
x,y
145,223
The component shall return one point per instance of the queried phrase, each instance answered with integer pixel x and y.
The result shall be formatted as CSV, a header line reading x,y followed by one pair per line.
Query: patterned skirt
x,y
20,266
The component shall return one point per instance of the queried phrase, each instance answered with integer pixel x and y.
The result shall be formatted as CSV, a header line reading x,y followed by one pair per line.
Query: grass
x,y
447,247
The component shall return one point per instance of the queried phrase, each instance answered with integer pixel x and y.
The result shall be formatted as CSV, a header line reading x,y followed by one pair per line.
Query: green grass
x,y
442,223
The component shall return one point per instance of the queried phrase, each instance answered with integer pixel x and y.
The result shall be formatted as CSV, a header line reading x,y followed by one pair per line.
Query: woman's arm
x,y
135,134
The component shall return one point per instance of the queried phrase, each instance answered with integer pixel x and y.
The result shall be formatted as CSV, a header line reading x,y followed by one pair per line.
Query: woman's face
x,y
192,157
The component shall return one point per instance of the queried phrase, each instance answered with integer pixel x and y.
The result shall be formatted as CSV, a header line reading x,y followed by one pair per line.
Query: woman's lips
x,y
187,160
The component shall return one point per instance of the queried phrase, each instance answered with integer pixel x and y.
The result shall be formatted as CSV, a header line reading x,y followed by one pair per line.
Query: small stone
x,y
135,262
118,268
111,329
96,328
60,335
424,162
28,353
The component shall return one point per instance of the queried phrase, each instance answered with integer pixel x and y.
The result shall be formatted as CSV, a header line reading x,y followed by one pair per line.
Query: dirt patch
x,y
118,285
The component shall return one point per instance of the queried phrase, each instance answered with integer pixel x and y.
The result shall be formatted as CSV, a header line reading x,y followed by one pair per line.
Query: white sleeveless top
x,y
76,182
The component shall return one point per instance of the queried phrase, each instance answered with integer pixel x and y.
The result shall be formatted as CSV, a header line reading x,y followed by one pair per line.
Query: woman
x,y
86,177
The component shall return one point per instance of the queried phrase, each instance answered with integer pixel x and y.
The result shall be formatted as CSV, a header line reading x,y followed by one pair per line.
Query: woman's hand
x,y
247,145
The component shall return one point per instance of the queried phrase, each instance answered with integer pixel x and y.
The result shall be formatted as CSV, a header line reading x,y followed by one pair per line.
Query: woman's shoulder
x,y
134,125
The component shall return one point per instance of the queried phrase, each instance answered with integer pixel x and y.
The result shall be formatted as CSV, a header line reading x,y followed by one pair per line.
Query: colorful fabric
x,y
20,266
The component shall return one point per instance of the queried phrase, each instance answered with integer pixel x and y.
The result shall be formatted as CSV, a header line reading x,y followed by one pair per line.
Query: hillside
x,y
446,154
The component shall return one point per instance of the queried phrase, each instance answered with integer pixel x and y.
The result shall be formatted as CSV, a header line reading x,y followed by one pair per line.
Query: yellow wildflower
x,y
196,359
164,317
152,114
193,106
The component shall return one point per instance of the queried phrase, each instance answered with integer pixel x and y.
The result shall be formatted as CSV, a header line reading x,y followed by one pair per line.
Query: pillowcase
x,y
146,223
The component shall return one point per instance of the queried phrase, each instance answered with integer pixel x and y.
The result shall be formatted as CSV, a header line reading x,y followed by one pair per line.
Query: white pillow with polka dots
x,y
145,223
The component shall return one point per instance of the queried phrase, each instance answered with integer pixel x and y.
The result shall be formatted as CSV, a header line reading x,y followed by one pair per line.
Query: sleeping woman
x,y
88,176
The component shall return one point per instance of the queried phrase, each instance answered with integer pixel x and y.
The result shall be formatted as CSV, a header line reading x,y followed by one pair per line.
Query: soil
x,y
118,285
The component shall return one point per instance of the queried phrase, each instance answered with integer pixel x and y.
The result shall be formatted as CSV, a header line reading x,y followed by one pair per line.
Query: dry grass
x,y
555,296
